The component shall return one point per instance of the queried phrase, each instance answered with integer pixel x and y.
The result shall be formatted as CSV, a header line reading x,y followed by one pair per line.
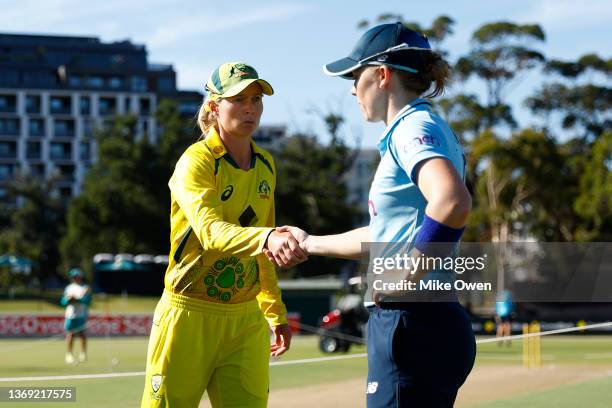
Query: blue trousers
x,y
418,355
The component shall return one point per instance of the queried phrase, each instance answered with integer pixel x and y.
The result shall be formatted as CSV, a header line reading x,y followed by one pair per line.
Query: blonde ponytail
x,y
206,119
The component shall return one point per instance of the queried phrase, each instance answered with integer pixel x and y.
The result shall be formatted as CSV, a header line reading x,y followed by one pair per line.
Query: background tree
x,y
582,107
125,201
36,224
500,54
311,189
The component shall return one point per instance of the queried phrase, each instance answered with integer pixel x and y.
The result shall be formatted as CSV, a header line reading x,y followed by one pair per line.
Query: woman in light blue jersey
x,y
419,353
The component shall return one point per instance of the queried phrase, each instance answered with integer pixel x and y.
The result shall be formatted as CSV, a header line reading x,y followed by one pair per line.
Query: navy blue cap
x,y
389,44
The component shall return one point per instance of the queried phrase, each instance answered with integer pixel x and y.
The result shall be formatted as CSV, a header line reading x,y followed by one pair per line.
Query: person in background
x,y
77,298
503,313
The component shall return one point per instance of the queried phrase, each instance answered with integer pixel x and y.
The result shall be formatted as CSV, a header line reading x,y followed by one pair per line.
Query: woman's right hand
x,y
284,249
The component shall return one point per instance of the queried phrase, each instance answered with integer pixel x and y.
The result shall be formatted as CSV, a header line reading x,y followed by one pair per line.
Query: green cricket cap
x,y
231,78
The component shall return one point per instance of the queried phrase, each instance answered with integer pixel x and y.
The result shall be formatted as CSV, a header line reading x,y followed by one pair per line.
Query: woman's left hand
x,y
282,340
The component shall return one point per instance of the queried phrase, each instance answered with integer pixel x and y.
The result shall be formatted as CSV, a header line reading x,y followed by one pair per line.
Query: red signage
x,y
97,325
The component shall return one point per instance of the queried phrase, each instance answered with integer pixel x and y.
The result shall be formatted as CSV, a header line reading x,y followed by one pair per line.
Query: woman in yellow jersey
x,y
209,330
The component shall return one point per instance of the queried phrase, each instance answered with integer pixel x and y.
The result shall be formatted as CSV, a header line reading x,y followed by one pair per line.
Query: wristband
x,y
431,237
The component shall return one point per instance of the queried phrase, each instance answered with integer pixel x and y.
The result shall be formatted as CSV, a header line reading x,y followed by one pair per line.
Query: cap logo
x,y
241,70
382,58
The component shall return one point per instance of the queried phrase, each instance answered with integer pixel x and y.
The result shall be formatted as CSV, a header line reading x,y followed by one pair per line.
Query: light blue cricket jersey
x,y
396,205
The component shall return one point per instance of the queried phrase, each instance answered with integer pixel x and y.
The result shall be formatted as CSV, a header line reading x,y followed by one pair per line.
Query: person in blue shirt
x,y
503,313
76,298
419,353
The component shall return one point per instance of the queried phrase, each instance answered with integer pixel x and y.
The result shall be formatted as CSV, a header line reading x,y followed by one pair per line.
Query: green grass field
x,y
101,304
576,372
44,357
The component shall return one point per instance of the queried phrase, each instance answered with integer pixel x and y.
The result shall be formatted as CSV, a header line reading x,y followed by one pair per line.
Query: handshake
x,y
287,246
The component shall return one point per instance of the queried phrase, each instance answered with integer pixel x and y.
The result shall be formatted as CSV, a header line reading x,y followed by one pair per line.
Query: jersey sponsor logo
x,y
227,193
264,190
156,382
422,140
228,275
372,387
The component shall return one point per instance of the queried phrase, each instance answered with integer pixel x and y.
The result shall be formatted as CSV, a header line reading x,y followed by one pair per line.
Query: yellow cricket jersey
x,y
221,217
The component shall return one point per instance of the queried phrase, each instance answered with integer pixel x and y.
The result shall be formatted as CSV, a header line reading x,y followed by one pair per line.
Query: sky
x,y
288,42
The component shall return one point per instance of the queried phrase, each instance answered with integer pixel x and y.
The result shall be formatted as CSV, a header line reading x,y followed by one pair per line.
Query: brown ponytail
x,y
433,71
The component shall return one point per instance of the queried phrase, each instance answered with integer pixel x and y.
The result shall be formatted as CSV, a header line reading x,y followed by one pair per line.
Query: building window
x,y
75,81
95,81
9,126
189,107
145,106
39,79
85,105
85,151
33,150
165,85
66,172
139,83
9,77
65,193
37,170
107,106
8,150
115,82
8,103
33,103
36,127
63,128
145,127
7,171
60,151
60,105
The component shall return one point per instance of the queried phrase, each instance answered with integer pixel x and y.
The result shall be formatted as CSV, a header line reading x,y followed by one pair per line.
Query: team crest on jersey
x,y
264,190
156,382
228,275
227,193
217,149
